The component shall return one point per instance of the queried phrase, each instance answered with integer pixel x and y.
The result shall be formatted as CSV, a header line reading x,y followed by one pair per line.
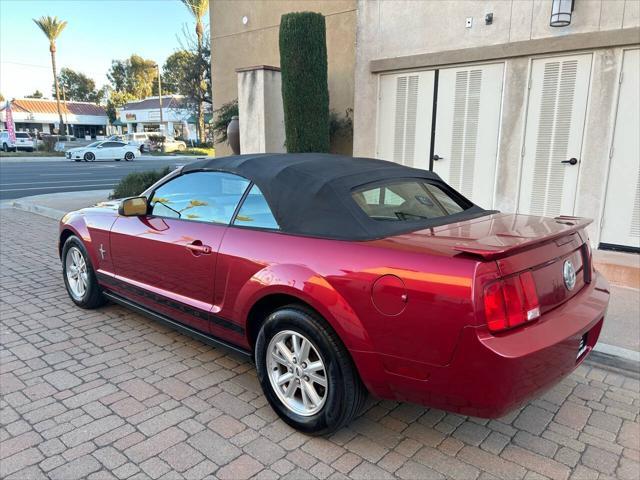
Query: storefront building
x,y
144,116
83,119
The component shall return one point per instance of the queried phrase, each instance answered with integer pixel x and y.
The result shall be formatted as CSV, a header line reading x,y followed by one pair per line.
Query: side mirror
x,y
133,207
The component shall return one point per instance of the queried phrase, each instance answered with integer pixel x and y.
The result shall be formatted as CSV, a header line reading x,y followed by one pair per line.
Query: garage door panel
x,y
621,221
558,96
467,129
404,118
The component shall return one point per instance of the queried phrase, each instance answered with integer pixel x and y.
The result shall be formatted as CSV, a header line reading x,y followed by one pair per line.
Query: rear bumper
x,y
492,375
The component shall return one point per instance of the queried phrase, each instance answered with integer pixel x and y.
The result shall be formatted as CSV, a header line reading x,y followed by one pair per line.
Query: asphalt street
x,y
43,176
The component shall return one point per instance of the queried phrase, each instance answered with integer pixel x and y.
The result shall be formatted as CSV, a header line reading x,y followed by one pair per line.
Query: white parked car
x,y
23,142
140,140
105,150
173,145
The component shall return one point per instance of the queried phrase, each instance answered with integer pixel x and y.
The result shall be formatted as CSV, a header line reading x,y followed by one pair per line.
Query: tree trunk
x,y
200,110
63,127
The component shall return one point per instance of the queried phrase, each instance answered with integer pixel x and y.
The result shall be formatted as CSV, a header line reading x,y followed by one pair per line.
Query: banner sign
x,y
11,127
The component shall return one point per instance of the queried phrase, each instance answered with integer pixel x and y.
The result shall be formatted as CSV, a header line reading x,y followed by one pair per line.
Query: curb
x,y
616,357
38,209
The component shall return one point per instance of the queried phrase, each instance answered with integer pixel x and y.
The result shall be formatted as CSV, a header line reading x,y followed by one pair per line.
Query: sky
x,y
98,31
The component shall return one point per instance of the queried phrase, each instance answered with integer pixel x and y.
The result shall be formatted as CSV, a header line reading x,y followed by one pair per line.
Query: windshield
x,y
406,200
94,144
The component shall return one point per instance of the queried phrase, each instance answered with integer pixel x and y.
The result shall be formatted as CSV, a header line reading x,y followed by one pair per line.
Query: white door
x,y
621,221
404,118
558,95
467,128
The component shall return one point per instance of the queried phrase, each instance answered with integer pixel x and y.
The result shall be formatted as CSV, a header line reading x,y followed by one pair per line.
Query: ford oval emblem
x,y
569,275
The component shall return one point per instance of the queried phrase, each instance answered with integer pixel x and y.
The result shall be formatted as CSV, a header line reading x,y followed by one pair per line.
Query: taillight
x,y
511,302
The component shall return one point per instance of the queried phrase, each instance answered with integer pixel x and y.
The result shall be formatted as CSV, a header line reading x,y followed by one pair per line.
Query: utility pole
x,y
160,96
66,119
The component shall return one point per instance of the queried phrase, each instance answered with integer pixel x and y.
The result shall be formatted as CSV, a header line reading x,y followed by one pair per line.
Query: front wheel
x,y
79,276
129,156
306,372
89,157
5,147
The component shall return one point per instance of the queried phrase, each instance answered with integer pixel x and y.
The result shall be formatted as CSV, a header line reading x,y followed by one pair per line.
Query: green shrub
x,y
223,116
305,94
136,183
209,152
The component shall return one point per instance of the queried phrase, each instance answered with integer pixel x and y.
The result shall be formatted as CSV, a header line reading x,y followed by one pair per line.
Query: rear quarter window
x,y
407,200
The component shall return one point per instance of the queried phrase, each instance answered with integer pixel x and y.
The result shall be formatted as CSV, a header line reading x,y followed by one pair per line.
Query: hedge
x,y
136,183
305,94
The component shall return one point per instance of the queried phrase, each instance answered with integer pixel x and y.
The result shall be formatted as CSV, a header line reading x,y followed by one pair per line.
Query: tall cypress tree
x,y
305,93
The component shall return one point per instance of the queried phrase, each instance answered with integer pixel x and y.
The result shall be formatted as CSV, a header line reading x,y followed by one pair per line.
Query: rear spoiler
x,y
492,252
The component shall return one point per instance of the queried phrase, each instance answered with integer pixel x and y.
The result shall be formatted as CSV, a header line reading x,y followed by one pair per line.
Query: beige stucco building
x,y
244,33
518,115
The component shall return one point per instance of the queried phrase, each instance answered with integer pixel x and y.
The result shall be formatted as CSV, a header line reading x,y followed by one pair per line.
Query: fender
x,y
303,283
92,234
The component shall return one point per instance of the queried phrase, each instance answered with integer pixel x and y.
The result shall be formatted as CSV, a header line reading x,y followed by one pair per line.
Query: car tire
x,y
129,156
76,264
89,157
141,148
5,147
335,404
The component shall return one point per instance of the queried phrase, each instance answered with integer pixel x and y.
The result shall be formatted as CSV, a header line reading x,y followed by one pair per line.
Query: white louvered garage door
x,y
558,95
621,222
467,127
404,118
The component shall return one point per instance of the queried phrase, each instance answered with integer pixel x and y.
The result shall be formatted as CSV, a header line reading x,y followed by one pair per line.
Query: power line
x,y
25,64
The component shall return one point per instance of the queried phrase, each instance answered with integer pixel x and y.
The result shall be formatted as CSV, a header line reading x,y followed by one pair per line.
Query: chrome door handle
x,y
199,249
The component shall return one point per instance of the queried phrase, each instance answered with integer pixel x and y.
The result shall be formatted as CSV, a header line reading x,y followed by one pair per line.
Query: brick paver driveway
x,y
109,394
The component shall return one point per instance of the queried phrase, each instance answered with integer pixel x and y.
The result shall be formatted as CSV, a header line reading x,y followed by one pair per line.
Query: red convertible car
x,y
342,276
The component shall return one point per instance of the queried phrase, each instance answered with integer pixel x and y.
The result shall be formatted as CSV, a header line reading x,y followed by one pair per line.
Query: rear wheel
x,y
129,156
5,147
79,276
306,373
89,157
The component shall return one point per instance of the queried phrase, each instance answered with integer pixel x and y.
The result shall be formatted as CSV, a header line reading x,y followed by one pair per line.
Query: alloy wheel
x,y
77,275
297,373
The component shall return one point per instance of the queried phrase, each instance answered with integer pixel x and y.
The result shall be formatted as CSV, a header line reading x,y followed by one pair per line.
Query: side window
x,y
255,211
110,144
203,196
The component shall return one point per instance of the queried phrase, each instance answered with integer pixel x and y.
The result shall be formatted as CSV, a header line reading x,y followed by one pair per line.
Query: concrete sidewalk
x,y
55,205
619,344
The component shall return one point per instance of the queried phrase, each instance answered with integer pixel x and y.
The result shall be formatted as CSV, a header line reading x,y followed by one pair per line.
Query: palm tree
x,y
198,9
52,27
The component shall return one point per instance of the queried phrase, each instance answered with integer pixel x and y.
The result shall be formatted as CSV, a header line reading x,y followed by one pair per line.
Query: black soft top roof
x,y
310,193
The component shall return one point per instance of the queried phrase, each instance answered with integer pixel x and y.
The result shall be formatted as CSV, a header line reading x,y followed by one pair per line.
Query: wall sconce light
x,y
561,11
245,20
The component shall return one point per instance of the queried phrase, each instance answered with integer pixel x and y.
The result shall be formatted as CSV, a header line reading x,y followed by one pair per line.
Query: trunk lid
x,y
518,243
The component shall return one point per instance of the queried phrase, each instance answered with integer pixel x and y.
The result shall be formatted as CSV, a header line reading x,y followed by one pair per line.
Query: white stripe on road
x,y
58,188
61,174
56,181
